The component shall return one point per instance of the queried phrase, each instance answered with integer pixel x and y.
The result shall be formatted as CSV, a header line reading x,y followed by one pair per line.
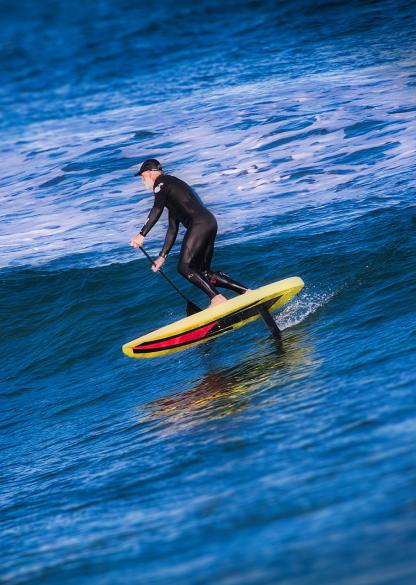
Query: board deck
x,y
215,321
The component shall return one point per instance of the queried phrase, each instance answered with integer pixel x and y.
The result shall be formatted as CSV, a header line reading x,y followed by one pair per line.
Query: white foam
x,y
301,308
240,183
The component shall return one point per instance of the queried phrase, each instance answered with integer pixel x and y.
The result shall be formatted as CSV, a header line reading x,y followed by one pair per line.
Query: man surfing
x,y
186,208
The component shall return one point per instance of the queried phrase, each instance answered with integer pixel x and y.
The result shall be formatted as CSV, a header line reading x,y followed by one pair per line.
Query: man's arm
x,y
155,212
170,235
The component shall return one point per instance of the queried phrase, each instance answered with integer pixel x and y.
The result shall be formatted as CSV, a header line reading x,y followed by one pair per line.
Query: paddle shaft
x,y
172,284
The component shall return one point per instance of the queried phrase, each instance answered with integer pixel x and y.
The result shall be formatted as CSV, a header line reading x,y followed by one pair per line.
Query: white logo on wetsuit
x,y
158,188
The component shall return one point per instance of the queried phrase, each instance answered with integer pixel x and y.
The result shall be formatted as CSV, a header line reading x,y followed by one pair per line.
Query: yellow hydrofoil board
x,y
214,321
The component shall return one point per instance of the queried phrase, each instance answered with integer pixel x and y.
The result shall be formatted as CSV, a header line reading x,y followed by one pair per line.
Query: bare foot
x,y
217,300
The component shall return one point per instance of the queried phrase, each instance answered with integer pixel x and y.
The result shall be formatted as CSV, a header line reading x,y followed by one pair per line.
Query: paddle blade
x,y
191,309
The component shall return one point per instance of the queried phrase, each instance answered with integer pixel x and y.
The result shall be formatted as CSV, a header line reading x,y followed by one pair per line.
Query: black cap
x,y
151,164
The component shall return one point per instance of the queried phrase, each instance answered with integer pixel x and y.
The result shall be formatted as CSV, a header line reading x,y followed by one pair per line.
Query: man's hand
x,y
137,241
158,263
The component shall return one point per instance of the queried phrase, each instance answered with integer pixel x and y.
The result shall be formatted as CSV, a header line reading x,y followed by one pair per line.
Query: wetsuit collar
x,y
160,178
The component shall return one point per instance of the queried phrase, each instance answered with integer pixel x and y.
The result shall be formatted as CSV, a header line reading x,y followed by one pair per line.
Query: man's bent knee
x,y
184,270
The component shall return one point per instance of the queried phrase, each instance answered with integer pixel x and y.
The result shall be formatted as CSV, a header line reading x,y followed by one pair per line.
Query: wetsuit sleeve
x,y
155,212
171,234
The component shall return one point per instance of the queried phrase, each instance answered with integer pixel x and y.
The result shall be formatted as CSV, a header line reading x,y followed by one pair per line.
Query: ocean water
x,y
233,462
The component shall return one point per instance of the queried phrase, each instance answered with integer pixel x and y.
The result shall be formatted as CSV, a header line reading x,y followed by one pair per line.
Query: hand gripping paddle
x,y
191,308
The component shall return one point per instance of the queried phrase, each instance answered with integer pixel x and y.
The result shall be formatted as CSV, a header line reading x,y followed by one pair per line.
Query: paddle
x,y
191,308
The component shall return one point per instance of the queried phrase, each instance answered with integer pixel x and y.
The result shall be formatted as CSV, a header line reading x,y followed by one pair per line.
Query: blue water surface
x,y
232,462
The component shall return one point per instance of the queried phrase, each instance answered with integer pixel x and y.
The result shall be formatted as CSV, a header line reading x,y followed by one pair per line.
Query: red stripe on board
x,y
184,338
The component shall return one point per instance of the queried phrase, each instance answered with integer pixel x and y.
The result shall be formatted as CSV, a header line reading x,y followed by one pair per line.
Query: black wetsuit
x,y
185,207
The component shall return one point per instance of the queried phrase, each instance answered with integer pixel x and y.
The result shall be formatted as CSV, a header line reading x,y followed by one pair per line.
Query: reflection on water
x,y
225,391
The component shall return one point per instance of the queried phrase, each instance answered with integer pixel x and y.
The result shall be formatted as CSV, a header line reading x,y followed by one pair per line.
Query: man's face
x,y
148,179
